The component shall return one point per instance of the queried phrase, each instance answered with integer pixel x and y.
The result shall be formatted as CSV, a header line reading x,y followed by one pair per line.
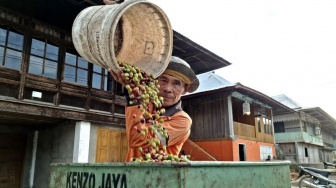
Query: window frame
x,y
8,48
78,68
45,60
103,77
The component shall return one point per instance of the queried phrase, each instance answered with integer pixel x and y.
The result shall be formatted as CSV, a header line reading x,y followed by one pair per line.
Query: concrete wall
x,y
28,160
93,143
55,145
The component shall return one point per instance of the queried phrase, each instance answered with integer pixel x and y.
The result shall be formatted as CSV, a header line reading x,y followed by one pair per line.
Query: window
x,y
304,127
101,78
279,127
265,125
306,152
43,59
11,45
259,126
75,69
265,151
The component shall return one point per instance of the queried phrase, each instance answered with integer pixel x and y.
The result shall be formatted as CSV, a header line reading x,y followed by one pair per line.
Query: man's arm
x,y
177,126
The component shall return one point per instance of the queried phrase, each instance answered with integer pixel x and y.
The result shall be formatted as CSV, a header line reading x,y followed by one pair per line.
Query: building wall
x,y
292,126
221,149
326,155
252,149
327,137
209,115
26,169
309,127
311,156
55,145
301,153
93,143
228,150
289,151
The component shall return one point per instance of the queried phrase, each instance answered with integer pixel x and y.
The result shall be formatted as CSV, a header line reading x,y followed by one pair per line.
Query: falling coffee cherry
x,y
143,91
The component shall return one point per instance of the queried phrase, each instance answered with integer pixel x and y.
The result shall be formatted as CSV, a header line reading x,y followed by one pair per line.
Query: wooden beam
x,y
38,110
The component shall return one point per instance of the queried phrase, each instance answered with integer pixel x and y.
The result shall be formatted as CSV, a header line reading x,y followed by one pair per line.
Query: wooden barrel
x,y
135,32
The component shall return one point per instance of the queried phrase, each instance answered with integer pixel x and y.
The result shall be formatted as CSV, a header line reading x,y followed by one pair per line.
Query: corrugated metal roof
x,y
200,59
315,114
327,122
287,101
286,117
211,81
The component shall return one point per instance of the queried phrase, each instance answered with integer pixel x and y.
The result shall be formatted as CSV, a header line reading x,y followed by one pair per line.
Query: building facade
x,y
306,135
231,122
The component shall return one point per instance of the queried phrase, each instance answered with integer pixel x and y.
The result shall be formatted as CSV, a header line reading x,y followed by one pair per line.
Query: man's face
x,y
171,89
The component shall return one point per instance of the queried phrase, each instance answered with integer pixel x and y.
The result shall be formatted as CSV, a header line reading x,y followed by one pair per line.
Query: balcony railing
x,y
249,132
298,137
241,129
328,145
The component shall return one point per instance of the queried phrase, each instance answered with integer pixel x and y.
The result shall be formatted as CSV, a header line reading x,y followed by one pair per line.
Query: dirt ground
x,y
294,179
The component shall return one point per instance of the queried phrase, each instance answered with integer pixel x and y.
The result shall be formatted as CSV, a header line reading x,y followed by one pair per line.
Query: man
x,y
175,81
268,158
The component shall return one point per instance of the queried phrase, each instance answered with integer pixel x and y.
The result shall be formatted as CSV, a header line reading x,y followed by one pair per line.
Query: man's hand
x,y
163,140
111,2
108,2
118,76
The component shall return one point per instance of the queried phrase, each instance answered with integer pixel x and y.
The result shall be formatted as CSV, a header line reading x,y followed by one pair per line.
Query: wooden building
x,y
223,128
55,107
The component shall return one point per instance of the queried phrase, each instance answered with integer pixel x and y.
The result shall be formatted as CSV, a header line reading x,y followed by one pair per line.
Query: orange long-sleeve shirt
x,y
177,124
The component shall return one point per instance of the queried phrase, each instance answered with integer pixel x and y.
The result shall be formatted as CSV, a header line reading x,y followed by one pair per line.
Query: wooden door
x,y
124,145
111,146
12,152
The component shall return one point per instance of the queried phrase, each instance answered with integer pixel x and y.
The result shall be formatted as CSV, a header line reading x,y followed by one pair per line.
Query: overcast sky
x,y
274,46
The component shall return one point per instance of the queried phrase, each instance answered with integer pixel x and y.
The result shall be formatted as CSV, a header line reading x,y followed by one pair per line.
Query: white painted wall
x,y
81,142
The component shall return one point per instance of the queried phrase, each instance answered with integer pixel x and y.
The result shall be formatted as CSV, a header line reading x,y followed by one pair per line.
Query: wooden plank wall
x,y
209,115
210,119
244,131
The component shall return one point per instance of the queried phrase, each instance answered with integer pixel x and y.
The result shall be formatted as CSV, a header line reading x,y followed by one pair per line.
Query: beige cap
x,y
181,70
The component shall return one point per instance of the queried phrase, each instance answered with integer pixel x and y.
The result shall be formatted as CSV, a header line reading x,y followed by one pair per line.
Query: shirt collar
x,y
173,109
